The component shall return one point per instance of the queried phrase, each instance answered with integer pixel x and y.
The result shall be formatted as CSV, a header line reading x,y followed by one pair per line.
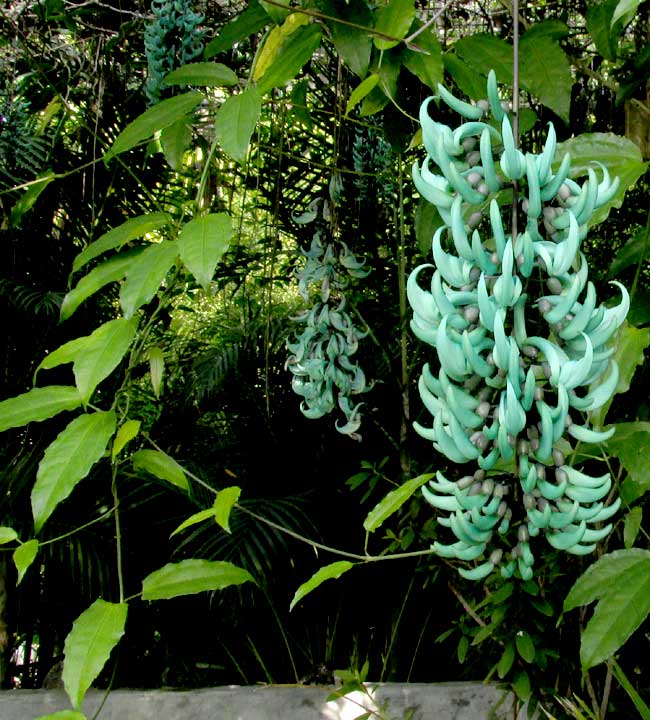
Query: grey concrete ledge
x,y
439,701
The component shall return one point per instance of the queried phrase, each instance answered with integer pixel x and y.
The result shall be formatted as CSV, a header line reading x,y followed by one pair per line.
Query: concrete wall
x,y
442,701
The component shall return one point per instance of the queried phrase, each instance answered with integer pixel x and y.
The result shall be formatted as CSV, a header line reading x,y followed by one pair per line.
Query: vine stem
x,y
118,532
297,536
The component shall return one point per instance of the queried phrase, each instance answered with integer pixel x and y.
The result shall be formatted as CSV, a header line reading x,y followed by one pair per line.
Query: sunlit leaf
x,y
145,275
63,715
393,502
175,140
205,74
110,270
37,404
192,576
202,243
27,200
360,91
7,535
156,118
236,121
89,644
224,503
114,239
393,19
124,435
156,368
68,460
161,465
329,572
23,556
295,51
195,519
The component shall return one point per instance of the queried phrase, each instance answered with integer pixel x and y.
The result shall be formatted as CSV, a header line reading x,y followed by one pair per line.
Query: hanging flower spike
x,y
324,374
520,356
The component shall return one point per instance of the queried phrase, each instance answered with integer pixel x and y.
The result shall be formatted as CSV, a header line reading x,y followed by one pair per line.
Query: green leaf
x,y
625,11
202,243
462,648
132,229
277,14
521,686
624,605
599,20
630,344
393,502
195,519
329,572
388,73
109,271
545,72
66,353
94,356
68,460
632,525
393,19
548,29
37,404
23,556
427,68
7,535
603,574
629,444
145,275
224,503
89,644
124,435
482,52
156,368
360,91
525,646
296,49
353,45
63,715
236,121
506,660
427,219
192,576
620,156
175,140
639,704
635,251
205,74
161,465
103,352
27,200
465,77
156,118
253,19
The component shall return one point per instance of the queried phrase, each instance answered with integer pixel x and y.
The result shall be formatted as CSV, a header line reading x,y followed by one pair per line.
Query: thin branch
x,y
466,606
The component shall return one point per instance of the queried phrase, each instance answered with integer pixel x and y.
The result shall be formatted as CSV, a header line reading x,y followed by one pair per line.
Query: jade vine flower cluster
x,y
324,374
173,38
523,349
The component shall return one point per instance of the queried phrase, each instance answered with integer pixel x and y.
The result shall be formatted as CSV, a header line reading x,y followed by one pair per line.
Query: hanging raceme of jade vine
x,y
523,348
324,373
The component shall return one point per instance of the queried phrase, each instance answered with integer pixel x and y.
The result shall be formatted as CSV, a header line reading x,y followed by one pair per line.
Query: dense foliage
x,y
202,202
